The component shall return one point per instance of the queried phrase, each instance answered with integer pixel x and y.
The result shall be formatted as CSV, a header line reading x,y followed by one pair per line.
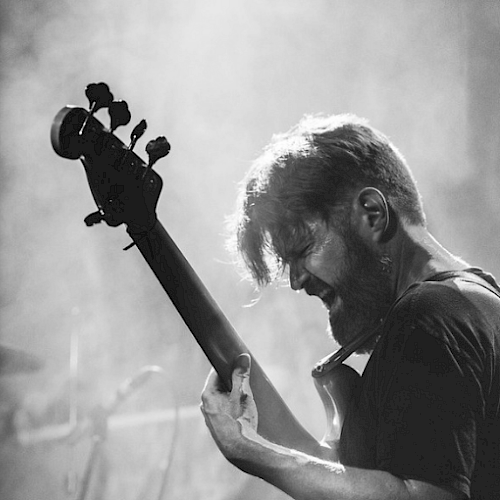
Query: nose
x,y
298,275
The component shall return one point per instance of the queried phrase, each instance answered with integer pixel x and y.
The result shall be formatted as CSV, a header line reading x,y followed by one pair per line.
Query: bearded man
x,y
334,203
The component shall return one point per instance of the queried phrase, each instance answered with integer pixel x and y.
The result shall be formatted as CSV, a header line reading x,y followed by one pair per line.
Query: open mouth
x,y
321,290
327,297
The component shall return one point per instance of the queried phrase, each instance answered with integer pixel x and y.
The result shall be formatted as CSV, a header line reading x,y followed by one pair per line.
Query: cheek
x,y
328,267
327,260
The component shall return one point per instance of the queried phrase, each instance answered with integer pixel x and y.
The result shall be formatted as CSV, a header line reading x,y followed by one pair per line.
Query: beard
x,y
363,294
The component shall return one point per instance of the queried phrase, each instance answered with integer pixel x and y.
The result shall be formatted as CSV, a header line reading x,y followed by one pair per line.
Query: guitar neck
x,y
216,336
126,190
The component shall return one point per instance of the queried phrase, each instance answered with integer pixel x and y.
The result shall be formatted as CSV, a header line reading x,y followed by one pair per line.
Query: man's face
x,y
352,281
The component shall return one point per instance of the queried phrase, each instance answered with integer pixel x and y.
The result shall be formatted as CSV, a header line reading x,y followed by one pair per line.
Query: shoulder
x,y
461,315
457,300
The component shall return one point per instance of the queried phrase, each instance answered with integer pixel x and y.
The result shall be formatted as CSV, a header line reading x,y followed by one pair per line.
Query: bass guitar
x,y
126,190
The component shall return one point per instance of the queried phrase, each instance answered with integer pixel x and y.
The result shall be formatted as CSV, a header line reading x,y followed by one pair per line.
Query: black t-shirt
x,y
428,407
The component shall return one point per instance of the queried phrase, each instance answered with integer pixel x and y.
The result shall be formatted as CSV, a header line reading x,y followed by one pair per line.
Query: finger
x,y
214,395
241,376
212,389
246,365
211,382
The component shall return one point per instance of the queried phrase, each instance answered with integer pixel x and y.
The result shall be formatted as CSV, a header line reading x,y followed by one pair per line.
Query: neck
x,y
416,255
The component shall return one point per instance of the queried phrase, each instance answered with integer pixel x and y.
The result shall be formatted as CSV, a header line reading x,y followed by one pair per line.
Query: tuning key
x,y
137,133
94,218
99,97
156,149
119,114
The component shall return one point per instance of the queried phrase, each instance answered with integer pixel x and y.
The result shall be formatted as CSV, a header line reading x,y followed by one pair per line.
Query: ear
x,y
372,213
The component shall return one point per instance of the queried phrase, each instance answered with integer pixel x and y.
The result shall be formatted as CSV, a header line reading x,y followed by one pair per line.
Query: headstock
x,y
125,188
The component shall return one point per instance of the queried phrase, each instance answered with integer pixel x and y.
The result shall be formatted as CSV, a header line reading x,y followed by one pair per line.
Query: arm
x,y
232,420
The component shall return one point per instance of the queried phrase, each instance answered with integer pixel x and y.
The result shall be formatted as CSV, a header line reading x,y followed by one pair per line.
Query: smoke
x,y
218,79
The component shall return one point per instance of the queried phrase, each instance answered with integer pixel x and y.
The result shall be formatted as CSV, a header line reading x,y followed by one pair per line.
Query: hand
x,y
230,416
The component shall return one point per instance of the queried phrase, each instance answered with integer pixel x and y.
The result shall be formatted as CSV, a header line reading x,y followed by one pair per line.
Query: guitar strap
x,y
471,275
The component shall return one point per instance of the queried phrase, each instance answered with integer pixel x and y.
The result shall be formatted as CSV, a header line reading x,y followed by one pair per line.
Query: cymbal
x,y
14,361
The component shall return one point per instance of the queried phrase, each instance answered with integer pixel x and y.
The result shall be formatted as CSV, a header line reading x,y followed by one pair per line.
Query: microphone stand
x,y
166,463
99,434
97,424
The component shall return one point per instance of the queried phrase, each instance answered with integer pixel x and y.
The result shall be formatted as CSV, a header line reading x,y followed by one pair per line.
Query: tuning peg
x,y
94,218
156,149
119,114
137,133
99,96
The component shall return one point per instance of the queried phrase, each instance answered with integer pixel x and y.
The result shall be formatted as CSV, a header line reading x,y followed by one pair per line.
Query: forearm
x,y
304,477
232,419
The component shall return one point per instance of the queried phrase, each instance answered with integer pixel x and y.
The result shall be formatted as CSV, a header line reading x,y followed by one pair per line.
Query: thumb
x,y
242,364
241,373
